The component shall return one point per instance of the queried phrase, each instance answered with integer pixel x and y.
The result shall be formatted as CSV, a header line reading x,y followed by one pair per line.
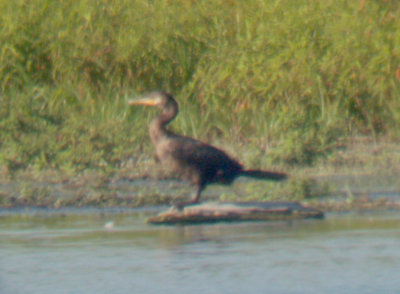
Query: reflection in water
x,y
76,253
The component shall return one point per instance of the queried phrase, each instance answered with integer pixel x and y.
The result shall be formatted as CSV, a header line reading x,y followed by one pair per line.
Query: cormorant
x,y
192,160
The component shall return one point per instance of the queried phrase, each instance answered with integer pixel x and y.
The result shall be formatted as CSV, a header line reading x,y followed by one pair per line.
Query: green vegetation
x,y
291,82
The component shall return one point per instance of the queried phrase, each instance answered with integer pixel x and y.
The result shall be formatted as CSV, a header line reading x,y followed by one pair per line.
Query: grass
x,y
285,83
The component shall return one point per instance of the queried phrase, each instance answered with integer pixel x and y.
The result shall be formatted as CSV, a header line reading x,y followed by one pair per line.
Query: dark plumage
x,y
194,161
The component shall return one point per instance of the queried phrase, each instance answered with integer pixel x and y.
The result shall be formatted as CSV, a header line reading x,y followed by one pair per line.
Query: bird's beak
x,y
143,101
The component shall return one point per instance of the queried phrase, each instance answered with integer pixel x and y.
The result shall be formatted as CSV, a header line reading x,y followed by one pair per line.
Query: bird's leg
x,y
196,194
195,198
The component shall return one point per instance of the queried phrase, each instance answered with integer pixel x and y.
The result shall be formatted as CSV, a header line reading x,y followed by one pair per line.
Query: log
x,y
211,212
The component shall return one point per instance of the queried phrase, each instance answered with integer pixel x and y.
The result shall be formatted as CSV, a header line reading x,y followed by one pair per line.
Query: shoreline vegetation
x,y
307,87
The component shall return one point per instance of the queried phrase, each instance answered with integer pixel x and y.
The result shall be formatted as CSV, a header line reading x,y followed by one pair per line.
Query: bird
x,y
192,160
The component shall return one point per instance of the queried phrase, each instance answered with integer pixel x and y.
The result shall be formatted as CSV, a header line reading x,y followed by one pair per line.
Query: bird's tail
x,y
263,174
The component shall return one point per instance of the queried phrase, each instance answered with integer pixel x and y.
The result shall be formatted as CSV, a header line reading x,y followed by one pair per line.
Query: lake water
x,y
111,251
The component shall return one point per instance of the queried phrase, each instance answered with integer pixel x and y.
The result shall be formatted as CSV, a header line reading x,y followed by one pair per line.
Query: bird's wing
x,y
197,153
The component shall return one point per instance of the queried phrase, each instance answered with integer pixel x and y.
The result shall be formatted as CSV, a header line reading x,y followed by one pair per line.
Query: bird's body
x,y
200,163
192,160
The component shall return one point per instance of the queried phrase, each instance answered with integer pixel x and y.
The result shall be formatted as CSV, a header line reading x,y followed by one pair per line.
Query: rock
x,y
211,212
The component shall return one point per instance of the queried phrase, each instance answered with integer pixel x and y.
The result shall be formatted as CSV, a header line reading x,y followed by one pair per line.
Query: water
x,y
86,251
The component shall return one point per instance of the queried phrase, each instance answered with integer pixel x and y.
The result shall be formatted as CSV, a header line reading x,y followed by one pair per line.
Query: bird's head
x,y
159,99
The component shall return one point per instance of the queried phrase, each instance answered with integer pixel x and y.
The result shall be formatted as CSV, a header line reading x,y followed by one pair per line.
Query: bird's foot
x,y
181,205
178,206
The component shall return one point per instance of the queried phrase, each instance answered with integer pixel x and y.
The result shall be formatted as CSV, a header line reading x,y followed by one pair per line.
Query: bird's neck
x,y
159,123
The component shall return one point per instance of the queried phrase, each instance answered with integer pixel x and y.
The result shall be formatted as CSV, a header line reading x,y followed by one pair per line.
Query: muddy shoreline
x,y
327,193
361,177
